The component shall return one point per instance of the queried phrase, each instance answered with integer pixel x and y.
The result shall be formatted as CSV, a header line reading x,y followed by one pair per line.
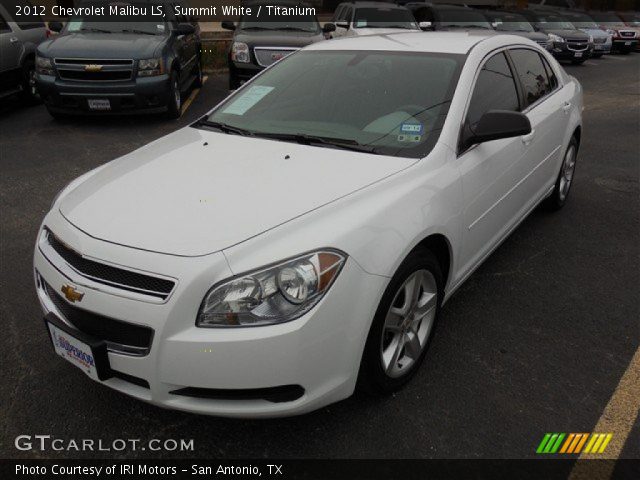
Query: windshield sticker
x,y
160,27
409,138
74,25
361,23
247,100
412,128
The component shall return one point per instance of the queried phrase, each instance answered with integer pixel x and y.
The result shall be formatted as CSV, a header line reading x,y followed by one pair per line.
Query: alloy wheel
x,y
568,168
408,323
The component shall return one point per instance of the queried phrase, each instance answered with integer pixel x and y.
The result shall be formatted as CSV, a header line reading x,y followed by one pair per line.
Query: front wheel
x,y
403,324
175,97
29,89
560,193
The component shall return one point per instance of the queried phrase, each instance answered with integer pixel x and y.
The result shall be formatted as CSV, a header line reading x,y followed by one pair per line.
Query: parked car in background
x,y
301,238
515,24
142,64
365,18
551,4
260,42
630,18
19,38
566,42
602,41
448,17
625,38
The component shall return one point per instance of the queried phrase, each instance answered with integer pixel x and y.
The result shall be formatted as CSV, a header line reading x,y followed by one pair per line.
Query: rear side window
x,y
553,80
495,90
532,74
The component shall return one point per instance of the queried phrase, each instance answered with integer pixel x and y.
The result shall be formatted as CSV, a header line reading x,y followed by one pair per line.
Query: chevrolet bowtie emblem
x,y
93,68
72,294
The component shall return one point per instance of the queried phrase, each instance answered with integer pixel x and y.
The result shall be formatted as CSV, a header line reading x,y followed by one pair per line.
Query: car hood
x,y
594,32
530,35
577,34
278,38
102,46
381,31
195,192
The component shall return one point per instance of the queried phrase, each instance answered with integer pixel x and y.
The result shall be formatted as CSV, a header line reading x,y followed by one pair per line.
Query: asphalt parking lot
x,y
536,340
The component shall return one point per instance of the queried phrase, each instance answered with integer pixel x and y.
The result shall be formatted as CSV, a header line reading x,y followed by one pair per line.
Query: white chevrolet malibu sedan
x,y
299,240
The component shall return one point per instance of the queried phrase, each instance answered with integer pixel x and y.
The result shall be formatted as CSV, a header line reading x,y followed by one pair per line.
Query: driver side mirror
x,y
425,26
55,26
329,27
497,124
342,24
184,29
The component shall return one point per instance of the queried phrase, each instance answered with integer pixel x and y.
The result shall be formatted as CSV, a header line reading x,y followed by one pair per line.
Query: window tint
x,y
553,81
3,25
495,90
532,74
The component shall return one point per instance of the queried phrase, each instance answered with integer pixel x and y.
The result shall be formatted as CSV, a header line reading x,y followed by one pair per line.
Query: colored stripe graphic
x,y
574,443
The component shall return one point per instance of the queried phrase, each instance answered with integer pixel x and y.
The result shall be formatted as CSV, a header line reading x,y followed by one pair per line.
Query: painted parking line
x,y
194,94
591,63
618,417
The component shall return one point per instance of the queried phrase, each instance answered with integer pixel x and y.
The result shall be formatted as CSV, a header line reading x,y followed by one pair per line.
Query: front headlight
x,y
150,67
613,33
555,38
240,52
272,295
44,66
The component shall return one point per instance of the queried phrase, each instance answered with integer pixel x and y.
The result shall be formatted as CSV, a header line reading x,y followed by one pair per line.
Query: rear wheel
x,y
403,324
197,82
560,193
174,96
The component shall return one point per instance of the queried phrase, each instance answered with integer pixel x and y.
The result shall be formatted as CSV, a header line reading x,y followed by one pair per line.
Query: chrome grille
x,y
266,56
542,43
94,70
627,33
577,45
108,275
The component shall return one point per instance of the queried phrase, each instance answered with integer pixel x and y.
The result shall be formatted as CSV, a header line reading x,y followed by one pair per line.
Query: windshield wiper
x,y
469,26
294,29
95,30
257,28
142,32
306,139
223,127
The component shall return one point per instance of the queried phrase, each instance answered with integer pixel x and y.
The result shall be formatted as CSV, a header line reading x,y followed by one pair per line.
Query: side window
x,y
347,14
553,80
3,25
532,74
423,14
336,14
495,89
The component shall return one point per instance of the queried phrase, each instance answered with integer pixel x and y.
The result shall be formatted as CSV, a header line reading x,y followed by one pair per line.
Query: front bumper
x,y
141,95
319,353
562,52
626,44
244,71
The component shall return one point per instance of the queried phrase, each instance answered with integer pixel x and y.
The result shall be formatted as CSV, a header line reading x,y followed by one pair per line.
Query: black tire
x,y
197,82
29,93
174,102
234,81
558,198
372,376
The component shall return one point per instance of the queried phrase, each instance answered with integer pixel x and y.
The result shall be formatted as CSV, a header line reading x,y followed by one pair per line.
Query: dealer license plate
x,y
90,356
99,104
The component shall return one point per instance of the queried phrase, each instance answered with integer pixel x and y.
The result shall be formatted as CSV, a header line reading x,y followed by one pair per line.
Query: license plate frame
x,y
577,54
99,104
81,350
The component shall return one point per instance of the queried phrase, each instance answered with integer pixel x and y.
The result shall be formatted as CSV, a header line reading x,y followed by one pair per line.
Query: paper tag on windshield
x,y
247,100
361,23
412,128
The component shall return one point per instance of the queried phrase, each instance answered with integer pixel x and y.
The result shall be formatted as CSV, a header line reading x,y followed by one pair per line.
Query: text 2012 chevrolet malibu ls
x,y
301,238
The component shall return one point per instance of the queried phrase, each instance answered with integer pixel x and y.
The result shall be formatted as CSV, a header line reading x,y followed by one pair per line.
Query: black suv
x,y
140,64
260,42
565,41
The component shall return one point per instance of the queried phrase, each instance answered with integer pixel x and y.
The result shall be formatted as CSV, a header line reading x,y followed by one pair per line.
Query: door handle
x,y
13,39
566,107
526,139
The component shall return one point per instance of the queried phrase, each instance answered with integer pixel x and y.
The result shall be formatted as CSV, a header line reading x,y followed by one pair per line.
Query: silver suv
x,y
19,37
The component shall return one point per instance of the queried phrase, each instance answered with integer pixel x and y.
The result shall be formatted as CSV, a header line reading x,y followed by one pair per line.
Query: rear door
x,y
10,53
548,114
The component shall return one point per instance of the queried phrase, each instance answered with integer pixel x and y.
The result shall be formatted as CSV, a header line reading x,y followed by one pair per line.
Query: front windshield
x,y
511,23
632,19
608,19
301,23
390,103
463,19
553,22
384,18
580,20
139,19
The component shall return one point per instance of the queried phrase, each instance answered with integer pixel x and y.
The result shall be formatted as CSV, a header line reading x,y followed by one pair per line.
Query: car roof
x,y
436,42
374,5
